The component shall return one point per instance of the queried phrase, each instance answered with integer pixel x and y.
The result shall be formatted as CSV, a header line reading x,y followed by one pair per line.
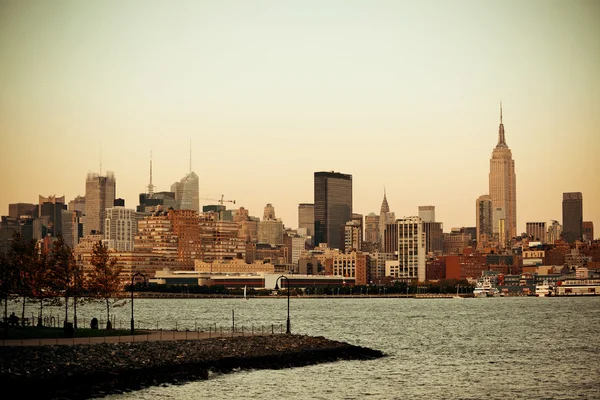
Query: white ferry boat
x,y
485,288
544,289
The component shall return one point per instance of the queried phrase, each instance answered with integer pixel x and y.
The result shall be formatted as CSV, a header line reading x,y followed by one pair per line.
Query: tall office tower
x,y
306,220
484,214
120,228
411,248
155,234
588,230
572,213
18,210
359,219
554,232
72,229
99,195
434,237
372,228
427,213
52,207
269,212
187,193
77,204
333,207
186,227
536,231
500,233
503,179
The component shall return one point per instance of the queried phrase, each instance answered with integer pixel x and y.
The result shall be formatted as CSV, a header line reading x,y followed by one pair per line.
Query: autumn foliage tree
x,y
104,278
63,272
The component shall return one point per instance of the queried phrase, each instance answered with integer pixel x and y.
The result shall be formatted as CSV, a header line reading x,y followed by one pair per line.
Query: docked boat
x,y
485,288
544,289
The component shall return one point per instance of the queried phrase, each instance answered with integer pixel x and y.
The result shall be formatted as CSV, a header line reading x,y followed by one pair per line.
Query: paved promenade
x,y
151,336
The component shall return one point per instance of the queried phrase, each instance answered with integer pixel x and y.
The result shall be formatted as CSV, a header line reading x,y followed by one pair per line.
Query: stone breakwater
x,y
85,371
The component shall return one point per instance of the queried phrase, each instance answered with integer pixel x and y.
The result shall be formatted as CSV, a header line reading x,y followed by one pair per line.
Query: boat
x,y
544,290
485,288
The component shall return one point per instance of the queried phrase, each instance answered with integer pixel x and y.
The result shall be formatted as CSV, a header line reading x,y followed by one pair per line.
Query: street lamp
x,y
288,330
132,278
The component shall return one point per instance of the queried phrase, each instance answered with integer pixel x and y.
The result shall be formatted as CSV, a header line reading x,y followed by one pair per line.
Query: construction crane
x,y
221,201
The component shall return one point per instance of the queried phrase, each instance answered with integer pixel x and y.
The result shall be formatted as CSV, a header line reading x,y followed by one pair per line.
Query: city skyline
x,y
399,95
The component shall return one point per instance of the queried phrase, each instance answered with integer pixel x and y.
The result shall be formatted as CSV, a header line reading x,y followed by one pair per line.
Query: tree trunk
x,y
23,313
66,309
108,323
75,312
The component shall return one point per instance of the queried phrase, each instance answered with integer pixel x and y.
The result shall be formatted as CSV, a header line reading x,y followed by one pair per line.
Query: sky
x,y
402,95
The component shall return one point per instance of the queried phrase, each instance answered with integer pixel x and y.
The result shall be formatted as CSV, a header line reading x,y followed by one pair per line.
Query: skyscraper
x,y
333,207
503,184
572,211
306,219
187,192
484,214
99,195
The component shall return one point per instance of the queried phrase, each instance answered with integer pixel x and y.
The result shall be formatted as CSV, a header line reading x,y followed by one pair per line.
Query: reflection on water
x,y
497,348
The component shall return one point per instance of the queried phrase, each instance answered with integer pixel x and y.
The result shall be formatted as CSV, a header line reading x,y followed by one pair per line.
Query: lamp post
x,y
288,330
132,278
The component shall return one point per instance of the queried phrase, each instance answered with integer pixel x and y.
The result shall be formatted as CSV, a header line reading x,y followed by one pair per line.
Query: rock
x,y
80,371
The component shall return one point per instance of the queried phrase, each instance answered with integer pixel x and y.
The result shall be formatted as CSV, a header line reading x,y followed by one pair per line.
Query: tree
x,y
22,255
63,273
8,280
104,280
43,288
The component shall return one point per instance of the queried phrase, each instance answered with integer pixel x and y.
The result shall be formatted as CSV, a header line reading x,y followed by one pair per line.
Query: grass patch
x,y
52,333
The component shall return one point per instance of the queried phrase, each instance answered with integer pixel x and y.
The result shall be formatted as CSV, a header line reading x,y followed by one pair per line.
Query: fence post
x,y
272,329
209,329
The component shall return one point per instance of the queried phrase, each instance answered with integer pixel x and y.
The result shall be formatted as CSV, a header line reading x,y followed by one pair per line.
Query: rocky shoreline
x,y
86,371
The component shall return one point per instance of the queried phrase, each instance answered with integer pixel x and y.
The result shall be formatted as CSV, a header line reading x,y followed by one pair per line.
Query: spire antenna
x,y
150,186
500,111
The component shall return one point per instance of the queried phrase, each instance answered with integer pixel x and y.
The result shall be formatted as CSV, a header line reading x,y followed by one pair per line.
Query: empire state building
x,y
503,188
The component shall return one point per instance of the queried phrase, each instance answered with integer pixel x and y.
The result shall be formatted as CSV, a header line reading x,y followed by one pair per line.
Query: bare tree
x,y
104,279
22,257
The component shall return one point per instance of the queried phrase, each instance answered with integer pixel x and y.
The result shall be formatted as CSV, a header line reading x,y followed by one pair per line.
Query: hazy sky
x,y
401,94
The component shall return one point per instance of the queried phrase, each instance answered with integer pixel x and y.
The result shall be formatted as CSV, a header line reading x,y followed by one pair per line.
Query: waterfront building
x,y
536,231
462,267
99,195
120,228
270,232
352,236
155,234
502,184
220,239
187,192
411,250
351,265
189,241
435,269
377,264
332,207
456,241
484,215
572,213
236,266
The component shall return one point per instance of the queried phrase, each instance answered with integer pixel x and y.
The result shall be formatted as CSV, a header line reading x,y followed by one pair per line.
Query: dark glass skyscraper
x,y
572,211
333,207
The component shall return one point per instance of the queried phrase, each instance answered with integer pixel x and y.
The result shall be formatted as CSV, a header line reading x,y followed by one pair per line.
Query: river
x,y
493,348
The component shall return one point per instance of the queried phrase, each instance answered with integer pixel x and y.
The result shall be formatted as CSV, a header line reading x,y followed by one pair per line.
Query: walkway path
x,y
151,336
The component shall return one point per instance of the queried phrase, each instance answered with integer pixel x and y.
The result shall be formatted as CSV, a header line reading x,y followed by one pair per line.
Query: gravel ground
x,y
87,371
